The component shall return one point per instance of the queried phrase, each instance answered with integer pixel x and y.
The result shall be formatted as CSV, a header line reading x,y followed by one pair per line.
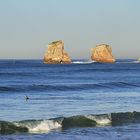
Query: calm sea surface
x,y
83,100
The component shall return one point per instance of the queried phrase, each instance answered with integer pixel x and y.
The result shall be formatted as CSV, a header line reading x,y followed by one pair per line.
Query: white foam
x,y
129,62
82,62
100,120
43,126
136,61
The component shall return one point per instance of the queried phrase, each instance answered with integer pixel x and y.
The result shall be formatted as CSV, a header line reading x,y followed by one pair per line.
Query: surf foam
x,y
43,126
101,119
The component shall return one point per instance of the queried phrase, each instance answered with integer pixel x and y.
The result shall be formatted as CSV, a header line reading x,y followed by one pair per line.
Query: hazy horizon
x,y
27,27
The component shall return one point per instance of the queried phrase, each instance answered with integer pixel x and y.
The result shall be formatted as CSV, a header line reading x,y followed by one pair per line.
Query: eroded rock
x,y
56,54
103,54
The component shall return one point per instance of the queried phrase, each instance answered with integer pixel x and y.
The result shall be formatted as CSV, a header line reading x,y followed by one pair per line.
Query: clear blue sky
x,y
27,26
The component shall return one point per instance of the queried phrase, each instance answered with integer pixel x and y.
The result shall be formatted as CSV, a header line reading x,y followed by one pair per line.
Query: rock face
x,y
56,54
102,53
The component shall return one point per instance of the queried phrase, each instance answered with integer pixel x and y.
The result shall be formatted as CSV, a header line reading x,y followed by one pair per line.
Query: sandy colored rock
x,y
56,54
102,53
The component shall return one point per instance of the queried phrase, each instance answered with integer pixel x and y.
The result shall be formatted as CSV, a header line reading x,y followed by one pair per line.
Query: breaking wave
x,y
82,62
117,61
36,126
92,120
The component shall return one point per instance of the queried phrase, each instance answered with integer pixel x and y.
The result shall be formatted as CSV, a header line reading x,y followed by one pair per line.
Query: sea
x,y
83,100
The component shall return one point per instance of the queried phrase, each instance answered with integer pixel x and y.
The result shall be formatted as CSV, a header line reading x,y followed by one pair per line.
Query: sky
x,y
28,26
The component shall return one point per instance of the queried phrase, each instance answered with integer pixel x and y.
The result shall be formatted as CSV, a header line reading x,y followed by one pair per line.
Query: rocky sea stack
x,y
103,54
56,54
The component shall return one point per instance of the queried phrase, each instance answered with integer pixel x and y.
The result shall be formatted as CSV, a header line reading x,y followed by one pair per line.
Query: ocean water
x,y
78,101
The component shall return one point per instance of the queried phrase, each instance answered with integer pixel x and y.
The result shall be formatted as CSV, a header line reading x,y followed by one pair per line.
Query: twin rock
x,y
56,54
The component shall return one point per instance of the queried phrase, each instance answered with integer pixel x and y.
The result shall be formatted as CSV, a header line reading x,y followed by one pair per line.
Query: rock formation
x,y
102,53
56,54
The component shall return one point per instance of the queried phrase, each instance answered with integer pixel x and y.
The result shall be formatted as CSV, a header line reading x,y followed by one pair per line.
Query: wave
x,y
128,61
92,120
9,89
117,61
39,126
83,62
68,87
136,61
16,74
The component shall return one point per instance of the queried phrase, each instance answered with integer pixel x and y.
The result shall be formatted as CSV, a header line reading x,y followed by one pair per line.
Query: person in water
x,y
26,98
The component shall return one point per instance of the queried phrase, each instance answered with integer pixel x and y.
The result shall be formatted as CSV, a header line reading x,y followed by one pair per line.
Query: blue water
x,y
66,90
